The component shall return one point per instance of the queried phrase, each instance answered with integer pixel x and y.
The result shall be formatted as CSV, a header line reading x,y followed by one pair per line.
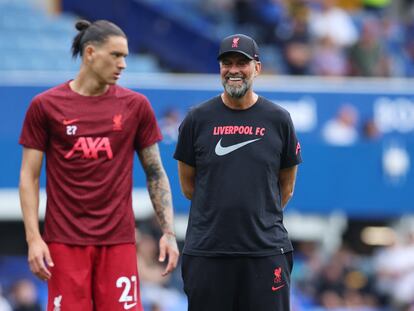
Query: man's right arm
x,y
29,201
186,174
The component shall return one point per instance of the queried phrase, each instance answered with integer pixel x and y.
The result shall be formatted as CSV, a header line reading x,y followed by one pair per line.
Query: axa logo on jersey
x,y
91,148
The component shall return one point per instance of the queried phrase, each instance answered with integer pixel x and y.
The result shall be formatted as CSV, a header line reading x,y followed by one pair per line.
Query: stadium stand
x,y
180,33
31,39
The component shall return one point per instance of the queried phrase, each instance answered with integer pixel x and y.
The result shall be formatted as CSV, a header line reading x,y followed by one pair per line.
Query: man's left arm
x,y
160,194
287,178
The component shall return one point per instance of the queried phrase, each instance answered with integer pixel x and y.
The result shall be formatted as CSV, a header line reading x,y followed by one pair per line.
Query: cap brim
x,y
234,51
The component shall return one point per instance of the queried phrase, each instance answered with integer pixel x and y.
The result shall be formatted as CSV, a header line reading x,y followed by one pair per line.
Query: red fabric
x,y
86,278
89,144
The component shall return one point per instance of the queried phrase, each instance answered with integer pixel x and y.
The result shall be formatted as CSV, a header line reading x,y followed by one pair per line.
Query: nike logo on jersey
x,y
221,151
69,122
128,306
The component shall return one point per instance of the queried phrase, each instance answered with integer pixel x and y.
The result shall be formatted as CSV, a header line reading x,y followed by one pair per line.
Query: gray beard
x,y
237,92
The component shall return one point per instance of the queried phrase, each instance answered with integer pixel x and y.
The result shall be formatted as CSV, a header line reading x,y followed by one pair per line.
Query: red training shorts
x,y
94,278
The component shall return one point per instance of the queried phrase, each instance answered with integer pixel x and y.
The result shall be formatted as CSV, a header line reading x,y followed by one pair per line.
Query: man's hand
x,y
168,247
40,259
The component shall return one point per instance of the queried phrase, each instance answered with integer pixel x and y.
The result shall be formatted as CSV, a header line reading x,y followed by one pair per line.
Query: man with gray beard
x,y
237,161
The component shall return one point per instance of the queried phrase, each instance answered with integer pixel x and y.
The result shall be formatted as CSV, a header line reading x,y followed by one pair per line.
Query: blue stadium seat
x,y
32,40
272,59
142,63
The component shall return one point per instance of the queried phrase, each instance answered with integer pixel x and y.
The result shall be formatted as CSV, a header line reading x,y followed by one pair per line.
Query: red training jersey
x,y
89,142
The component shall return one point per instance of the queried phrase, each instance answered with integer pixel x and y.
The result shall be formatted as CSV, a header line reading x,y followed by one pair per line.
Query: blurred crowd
x,y
345,128
345,280
367,38
342,279
158,293
21,296
380,278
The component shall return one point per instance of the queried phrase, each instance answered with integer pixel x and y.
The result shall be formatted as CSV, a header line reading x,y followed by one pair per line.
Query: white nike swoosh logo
x,y
221,151
129,306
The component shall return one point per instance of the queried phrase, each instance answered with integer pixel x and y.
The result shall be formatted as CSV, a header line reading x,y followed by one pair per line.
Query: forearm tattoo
x,y
158,186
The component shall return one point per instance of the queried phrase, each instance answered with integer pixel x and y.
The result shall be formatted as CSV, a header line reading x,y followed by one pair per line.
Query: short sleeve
x,y
35,127
291,154
148,131
184,151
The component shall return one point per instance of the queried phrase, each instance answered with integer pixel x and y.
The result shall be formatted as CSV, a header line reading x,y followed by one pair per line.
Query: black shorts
x,y
237,283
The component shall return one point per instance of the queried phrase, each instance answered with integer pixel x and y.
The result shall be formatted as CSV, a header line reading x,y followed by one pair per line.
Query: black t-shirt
x,y
237,154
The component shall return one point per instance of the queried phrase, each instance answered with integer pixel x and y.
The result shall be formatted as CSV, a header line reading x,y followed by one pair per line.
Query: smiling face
x,y
237,74
106,61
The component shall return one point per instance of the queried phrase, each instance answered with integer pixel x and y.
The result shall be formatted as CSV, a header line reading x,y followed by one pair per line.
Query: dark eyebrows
x,y
239,61
119,54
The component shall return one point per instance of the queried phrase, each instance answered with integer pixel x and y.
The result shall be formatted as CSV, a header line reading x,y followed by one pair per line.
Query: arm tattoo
x,y
158,186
